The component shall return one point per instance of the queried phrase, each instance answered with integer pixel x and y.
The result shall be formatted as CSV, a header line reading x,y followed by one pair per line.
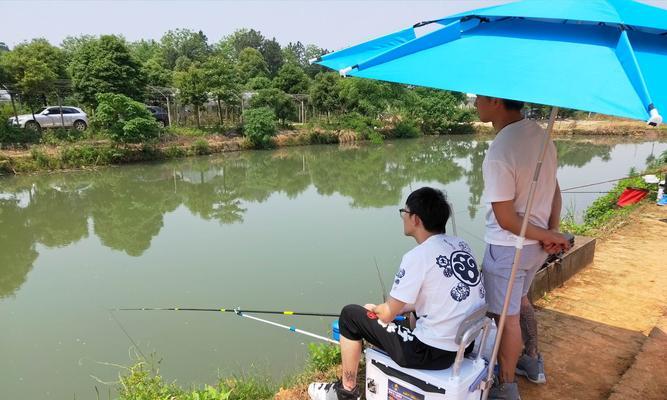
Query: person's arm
x,y
509,220
388,310
556,204
408,308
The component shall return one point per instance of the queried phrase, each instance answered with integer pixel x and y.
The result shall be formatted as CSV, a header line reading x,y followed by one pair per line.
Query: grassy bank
x,y
142,381
603,216
63,150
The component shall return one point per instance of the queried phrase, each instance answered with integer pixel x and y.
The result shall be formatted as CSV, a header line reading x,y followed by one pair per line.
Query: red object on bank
x,y
631,196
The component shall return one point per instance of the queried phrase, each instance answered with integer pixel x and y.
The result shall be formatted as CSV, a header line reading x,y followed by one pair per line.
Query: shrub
x,y
78,156
406,129
124,120
11,134
200,147
259,126
14,135
319,137
174,152
323,356
59,135
277,100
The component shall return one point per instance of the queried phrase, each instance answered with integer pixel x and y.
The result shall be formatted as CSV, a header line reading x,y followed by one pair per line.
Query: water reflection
x,y
126,206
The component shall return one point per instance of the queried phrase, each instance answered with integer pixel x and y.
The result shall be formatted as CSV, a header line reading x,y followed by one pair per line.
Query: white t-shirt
x,y
441,278
508,169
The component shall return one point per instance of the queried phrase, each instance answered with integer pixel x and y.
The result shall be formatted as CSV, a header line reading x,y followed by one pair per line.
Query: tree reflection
x,y
578,154
17,247
126,206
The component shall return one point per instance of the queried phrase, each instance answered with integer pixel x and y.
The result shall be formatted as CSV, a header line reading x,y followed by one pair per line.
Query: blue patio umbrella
x,y
604,56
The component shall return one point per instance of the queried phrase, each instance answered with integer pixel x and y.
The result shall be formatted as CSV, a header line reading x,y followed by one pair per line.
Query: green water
x,y
298,229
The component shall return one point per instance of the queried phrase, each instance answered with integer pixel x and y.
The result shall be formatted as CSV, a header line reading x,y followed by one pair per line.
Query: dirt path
x,y
593,329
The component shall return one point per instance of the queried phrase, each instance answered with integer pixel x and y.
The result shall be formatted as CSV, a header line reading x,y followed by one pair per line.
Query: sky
x,y
328,24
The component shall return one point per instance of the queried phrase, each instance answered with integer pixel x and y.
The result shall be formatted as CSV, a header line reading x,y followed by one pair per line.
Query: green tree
x,y
192,88
295,53
34,68
71,44
259,126
291,79
439,111
223,82
125,120
324,92
258,83
280,102
365,96
273,55
105,65
245,38
312,51
251,64
156,74
3,47
183,43
144,50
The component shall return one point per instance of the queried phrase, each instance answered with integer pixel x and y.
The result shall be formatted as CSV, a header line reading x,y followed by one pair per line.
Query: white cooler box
x,y
385,380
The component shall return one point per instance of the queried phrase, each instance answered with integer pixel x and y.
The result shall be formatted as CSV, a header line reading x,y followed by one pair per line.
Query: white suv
x,y
50,117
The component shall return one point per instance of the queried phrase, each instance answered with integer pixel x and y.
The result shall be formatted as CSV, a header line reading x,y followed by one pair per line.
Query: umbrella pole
x,y
517,254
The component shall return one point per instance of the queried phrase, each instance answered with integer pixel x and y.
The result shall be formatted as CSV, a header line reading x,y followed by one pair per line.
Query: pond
x,y
299,229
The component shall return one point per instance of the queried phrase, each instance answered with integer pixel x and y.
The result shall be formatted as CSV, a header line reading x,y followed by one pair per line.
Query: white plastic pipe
x,y
289,328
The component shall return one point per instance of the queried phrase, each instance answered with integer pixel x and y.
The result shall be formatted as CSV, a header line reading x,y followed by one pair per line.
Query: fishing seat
x,y
387,380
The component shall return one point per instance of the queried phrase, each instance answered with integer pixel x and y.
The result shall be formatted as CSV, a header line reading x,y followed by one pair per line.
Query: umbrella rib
x,y
628,59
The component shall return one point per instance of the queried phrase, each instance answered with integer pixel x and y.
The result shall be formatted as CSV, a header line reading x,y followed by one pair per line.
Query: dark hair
x,y
512,104
431,206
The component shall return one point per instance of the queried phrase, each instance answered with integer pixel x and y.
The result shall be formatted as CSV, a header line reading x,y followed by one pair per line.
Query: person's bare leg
x,y
510,348
350,351
528,327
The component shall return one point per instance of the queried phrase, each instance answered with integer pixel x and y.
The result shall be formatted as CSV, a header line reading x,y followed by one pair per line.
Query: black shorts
x,y
357,323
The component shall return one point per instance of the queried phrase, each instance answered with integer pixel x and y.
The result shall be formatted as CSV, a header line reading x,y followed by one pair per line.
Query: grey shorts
x,y
496,270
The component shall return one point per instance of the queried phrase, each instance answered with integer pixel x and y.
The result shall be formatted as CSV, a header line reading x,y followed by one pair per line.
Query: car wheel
x,y
32,125
160,124
80,125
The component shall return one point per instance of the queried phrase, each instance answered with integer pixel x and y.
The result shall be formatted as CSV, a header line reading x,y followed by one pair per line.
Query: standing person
x,y
438,280
508,170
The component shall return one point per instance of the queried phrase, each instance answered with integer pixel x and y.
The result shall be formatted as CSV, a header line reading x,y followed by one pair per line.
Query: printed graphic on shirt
x,y
399,275
482,292
464,247
443,262
405,333
465,268
460,292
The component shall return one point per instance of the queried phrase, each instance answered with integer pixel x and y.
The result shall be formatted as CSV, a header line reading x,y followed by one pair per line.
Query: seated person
x,y
438,280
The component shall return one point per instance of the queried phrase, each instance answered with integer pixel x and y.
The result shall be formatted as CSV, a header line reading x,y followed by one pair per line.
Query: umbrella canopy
x,y
604,56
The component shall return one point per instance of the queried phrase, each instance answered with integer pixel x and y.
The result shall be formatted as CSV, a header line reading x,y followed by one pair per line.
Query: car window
x,y
69,110
40,110
54,110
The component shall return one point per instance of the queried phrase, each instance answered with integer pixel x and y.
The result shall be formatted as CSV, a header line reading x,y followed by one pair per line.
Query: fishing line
x,y
599,183
128,335
382,287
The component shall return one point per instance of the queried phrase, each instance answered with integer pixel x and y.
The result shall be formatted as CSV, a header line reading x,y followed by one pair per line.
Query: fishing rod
x,y
289,328
234,310
601,182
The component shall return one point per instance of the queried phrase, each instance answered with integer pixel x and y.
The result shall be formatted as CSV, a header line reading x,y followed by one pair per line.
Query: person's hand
x,y
555,242
370,307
